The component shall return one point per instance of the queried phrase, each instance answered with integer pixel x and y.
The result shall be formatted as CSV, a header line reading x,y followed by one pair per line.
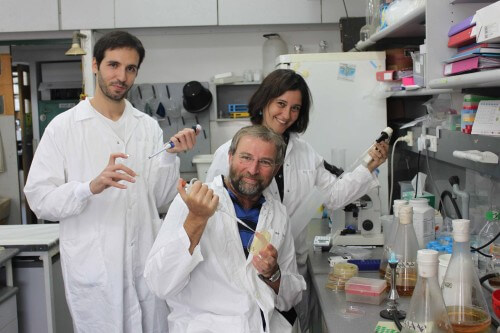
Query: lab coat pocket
x,y
212,323
84,263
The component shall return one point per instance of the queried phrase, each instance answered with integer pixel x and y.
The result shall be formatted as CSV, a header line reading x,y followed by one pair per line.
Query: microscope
x,y
358,223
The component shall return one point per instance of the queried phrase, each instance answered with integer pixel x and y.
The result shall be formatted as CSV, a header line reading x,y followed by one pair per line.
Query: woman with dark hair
x,y
282,103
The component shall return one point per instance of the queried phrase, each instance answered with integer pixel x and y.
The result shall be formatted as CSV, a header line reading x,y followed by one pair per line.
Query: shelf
x,y
420,92
410,25
489,78
454,140
453,2
232,119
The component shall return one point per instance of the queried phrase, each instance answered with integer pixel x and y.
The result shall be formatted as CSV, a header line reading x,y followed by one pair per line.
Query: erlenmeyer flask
x,y
427,312
405,248
461,289
390,234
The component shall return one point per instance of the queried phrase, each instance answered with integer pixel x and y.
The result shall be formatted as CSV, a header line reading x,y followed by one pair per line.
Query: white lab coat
x,y
104,238
303,169
216,289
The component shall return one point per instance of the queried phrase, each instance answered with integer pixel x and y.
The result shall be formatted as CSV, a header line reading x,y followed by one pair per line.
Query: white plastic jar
x,y
423,221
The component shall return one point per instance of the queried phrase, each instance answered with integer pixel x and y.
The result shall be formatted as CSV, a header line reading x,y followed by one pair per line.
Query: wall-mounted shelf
x,y
490,78
232,93
471,1
421,92
411,25
453,140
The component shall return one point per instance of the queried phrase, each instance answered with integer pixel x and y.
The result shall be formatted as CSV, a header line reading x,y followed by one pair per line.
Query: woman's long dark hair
x,y
274,85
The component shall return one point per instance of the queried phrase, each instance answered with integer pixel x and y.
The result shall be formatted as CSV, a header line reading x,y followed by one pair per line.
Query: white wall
x,y
181,55
197,53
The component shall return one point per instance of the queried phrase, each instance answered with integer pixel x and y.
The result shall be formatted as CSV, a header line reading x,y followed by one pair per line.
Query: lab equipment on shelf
x,y
423,221
427,312
462,292
405,249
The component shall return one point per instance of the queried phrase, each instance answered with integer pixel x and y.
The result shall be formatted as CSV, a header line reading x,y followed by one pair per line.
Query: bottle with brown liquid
x,y
405,248
462,292
427,313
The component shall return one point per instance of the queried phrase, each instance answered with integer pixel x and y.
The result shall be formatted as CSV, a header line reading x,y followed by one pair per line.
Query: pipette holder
x,y
392,303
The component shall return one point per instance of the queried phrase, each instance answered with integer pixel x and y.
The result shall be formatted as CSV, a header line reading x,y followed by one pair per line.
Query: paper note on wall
x,y
347,72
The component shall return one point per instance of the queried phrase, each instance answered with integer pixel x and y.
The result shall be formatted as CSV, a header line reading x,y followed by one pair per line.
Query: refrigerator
x,y
347,113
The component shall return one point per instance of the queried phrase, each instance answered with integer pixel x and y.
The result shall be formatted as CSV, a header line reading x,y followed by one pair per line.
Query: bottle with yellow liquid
x,y
462,292
405,248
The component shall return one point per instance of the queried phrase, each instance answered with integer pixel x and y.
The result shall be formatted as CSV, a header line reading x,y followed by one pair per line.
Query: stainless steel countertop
x,y
331,303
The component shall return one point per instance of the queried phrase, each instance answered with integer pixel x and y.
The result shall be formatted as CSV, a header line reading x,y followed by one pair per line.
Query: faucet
x,y
464,196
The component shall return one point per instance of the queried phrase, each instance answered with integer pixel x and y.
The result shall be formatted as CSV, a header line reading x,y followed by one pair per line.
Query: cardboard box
x,y
385,76
399,59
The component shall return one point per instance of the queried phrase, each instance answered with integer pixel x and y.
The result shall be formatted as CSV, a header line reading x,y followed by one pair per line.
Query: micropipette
x,y
170,144
219,206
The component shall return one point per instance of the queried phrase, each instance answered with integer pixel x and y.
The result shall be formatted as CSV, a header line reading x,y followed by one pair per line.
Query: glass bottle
x,y
486,234
427,312
462,292
273,47
494,266
389,235
405,247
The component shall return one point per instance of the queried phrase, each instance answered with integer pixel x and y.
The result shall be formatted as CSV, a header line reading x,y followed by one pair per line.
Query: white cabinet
x,y
165,13
245,12
93,14
333,10
29,15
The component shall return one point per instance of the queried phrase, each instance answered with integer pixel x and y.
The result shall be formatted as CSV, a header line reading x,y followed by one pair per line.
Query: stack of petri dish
x,y
339,275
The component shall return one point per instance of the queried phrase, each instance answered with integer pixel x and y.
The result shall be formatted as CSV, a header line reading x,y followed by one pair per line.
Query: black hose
x,y
448,194
488,276
477,249
396,320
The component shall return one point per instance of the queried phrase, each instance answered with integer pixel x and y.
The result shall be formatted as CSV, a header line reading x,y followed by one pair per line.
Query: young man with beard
x,y
200,261
91,172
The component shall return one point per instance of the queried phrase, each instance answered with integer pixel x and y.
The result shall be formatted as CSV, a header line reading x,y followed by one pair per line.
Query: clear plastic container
x,y
486,234
462,292
427,312
365,290
423,221
273,47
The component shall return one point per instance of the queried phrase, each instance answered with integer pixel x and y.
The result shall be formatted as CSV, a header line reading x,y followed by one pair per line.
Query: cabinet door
x,y
93,14
244,12
333,10
29,15
165,13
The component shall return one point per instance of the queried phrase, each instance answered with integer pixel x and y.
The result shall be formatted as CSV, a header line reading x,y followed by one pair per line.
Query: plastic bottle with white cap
x,y
423,221
427,312
462,292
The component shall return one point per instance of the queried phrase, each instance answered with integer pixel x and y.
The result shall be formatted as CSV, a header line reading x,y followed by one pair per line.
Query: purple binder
x,y
461,26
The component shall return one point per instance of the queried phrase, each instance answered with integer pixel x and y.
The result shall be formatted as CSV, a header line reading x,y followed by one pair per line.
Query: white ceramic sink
x,y
4,208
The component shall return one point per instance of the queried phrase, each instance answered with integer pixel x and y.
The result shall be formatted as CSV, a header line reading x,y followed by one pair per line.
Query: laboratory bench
x,y
331,303
8,291
36,267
